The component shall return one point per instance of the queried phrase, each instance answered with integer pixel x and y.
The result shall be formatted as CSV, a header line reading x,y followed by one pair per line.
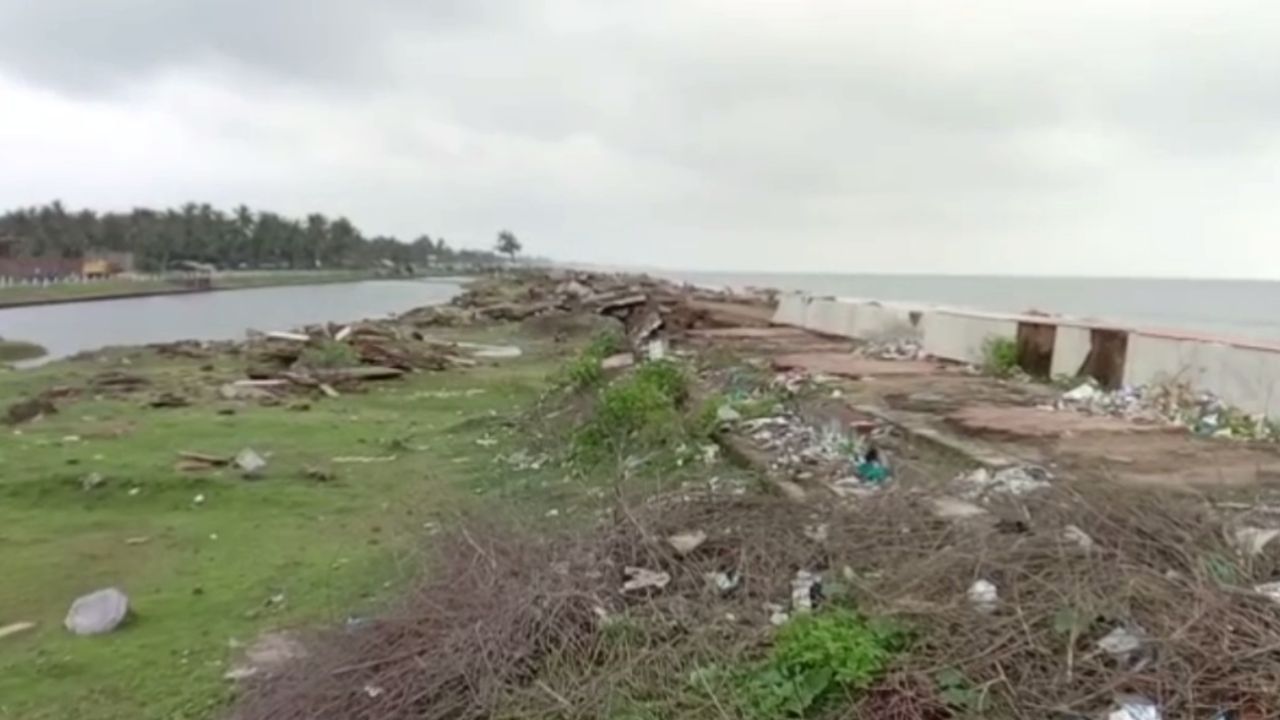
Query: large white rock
x,y
98,612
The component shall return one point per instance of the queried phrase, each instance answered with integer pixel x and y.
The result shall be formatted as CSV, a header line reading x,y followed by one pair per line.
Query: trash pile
x,y
1173,403
1103,602
647,307
900,348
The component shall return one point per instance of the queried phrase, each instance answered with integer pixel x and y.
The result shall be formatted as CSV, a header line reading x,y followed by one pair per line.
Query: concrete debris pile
x,y
647,307
1170,403
900,348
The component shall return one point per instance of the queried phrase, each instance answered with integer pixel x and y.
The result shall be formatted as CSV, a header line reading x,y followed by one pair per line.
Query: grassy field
x,y
123,288
209,559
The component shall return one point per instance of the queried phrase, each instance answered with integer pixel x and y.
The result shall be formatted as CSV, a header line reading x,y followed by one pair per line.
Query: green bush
x,y
816,658
641,408
1000,357
328,354
587,370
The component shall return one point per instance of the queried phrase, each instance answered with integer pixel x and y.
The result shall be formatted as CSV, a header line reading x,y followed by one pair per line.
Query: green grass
x,y
18,350
209,571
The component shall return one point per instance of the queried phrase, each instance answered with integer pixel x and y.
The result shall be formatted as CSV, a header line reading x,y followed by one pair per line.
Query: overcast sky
x,y
1111,137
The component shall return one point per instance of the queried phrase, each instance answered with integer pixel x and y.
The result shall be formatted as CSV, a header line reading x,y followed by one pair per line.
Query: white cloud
x,y
1126,138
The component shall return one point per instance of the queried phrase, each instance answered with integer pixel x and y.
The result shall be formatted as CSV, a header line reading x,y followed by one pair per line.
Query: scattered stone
x,y
984,596
92,481
141,540
320,474
639,578
250,463
198,499
98,612
686,542
817,533
727,414
15,628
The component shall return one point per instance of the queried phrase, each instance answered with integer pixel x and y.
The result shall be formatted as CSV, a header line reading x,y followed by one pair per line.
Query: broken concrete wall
x,y
876,321
953,335
1246,377
1070,348
831,316
791,309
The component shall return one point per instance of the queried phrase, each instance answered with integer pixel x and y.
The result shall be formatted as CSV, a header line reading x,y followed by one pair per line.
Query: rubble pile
x,y
647,307
899,348
1171,403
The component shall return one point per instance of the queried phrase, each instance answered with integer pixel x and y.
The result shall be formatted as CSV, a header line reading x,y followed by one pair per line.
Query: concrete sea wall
x,y
1244,373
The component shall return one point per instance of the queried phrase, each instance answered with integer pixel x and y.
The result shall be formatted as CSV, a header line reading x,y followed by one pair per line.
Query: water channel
x,y
223,315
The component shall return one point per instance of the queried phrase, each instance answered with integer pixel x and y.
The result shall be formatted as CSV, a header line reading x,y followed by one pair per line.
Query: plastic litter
x,y
725,582
805,588
871,467
250,462
639,578
1078,537
1251,541
984,596
1124,643
727,414
1082,393
686,542
1018,480
1271,590
1135,707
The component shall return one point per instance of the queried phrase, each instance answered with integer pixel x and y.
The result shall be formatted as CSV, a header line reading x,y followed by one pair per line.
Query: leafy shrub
x,y
586,370
328,354
1000,357
815,658
640,408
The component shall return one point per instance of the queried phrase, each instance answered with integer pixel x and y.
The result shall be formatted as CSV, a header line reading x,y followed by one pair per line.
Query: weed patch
x,y
1000,357
816,658
329,354
640,409
587,370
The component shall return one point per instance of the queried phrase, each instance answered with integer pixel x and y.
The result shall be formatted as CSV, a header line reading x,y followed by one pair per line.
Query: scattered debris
x,y
724,582
621,361
727,414
817,533
639,578
269,654
92,481
250,463
1251,541
140,540
189,461
1073,534
1172,402
1134,707
363,460
1270,590
984,596
97,613
952,509
686,542
15,628
806,587
1125,644
319,474
1018,480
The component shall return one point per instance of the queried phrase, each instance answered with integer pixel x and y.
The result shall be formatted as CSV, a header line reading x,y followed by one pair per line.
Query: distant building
x,y
95,264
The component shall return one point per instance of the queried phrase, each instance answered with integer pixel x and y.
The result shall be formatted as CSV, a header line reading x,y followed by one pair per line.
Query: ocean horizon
x,y
1244,308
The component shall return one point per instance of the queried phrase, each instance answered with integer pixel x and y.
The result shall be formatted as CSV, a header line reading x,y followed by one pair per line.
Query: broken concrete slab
x,y
853,366
1033,422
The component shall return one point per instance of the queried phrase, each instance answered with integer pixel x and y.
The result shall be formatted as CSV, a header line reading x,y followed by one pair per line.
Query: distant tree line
x,y
241,238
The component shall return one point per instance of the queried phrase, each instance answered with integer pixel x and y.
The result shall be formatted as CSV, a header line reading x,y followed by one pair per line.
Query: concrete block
x,y
957,336
1070,348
